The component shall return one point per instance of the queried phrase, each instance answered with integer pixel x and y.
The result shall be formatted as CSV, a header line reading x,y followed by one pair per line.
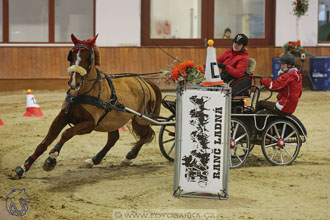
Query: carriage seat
x,y
241,87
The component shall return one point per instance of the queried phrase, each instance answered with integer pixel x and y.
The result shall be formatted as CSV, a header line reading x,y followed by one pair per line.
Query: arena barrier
x,y
320,73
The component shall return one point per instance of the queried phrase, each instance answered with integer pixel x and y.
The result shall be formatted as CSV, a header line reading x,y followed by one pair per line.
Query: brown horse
x,y
97,101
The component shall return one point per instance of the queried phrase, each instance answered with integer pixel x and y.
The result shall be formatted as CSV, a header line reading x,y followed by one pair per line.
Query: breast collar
x,y
112,104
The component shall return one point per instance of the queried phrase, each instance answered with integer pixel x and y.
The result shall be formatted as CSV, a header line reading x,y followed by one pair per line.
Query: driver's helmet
x,y
288,58
241,39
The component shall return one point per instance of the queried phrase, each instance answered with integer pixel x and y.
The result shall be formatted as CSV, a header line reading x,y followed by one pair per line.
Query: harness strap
x,y
69,99
96,101
144,94
113,103
92,100
99,81
145,83
113,100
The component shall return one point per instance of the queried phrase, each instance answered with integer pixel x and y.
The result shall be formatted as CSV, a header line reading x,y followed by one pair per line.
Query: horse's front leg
x,y
83,127
56,127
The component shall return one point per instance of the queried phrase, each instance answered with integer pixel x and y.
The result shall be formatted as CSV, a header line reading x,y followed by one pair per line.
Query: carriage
x,y
102,102
280,137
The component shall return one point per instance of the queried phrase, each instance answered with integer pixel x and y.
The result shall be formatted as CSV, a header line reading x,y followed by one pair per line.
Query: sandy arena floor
x,y
256,191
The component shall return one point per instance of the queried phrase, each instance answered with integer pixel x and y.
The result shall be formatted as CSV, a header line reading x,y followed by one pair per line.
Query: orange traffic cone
x,y
1,123
122,129
32,107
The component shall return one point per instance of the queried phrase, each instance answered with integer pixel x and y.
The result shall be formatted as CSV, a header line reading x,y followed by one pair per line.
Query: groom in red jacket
x,y
288,86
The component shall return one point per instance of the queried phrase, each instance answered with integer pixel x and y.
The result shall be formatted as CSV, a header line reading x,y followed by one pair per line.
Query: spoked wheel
x,y
167,140
239,143
280,143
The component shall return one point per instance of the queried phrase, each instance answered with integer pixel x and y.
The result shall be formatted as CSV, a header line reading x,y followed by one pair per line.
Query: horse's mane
x,y
97,56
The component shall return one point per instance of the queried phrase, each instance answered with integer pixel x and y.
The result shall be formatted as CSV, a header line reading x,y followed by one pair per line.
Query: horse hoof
x,y
87,164
49,164
126,162
16,173
13,175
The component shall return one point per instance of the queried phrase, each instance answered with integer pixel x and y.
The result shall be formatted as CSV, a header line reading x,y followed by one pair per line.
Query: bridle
x,y
82,47
90,62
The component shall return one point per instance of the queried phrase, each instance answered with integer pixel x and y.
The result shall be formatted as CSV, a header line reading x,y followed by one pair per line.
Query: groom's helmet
x,y
288,58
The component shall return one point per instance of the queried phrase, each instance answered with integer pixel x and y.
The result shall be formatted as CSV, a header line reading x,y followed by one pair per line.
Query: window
x,y
240,16
74,16
175,19
324,21
45,21
28,21
193,22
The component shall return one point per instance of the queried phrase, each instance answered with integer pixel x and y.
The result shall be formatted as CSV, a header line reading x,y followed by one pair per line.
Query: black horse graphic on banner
x,y
196,162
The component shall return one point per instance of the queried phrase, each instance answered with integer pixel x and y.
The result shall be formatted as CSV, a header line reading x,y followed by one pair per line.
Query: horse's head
x,y
81,58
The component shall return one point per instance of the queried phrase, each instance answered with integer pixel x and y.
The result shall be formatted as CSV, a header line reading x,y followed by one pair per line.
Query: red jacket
x,y
236,61
289,87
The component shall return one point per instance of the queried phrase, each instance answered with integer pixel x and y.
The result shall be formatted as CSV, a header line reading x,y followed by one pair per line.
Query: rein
x,y
113,103
121,75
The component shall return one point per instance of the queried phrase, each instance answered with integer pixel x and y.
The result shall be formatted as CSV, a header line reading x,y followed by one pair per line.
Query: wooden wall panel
x,y
47,63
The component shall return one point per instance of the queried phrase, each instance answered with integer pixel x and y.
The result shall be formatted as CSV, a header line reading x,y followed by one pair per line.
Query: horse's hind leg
x,y
112,139
145,134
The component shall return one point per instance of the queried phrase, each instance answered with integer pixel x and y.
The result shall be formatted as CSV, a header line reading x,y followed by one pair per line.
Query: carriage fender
x,y
299,124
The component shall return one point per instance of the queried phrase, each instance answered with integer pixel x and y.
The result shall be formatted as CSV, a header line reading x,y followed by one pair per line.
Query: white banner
x,y
202,141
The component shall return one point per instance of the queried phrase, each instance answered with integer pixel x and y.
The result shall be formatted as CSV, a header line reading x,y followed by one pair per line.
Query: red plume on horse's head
x,y
89,43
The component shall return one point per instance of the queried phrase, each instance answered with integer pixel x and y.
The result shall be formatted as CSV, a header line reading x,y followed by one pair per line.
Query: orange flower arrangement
x,y
294,48
188,72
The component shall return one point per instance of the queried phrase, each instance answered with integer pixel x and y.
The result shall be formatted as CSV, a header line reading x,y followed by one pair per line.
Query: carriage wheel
x,y
239,143
167,140
280,143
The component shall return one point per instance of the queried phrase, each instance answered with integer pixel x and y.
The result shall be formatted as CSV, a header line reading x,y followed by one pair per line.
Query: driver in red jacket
x,y
288,86
234,61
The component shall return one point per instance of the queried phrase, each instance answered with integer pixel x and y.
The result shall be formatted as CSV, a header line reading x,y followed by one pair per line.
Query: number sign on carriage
x,y
202,142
